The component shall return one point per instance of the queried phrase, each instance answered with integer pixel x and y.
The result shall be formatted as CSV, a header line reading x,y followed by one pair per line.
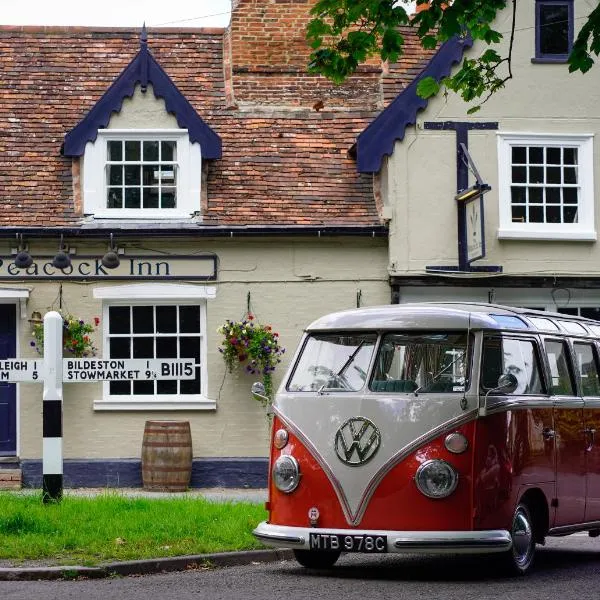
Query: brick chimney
x,y
266,57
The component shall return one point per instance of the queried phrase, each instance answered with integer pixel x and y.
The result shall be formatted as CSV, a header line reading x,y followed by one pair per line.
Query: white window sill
x,y
194,403
560,236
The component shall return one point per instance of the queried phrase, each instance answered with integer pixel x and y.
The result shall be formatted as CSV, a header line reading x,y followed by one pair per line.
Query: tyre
x,y
519,559
316,559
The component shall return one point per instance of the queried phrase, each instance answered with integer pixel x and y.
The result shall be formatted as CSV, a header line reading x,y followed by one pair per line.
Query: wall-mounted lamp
x,y
111,259
475,190
23,259
36,318
62,260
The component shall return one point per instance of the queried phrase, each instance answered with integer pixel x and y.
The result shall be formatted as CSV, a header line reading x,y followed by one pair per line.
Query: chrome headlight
x,y
286,473
436,478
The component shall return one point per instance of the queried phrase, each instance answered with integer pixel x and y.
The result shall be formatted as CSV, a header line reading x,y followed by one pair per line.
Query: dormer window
x,y
553,30
141,174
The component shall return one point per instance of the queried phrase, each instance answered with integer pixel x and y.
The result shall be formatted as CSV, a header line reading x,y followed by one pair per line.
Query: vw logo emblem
x,y
357,441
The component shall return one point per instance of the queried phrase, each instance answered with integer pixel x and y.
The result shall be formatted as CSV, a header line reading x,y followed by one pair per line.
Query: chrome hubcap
x,y
522,538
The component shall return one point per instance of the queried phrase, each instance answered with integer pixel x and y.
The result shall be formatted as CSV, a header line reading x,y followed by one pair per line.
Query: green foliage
x,y
110,527
251,344
345,33
76,336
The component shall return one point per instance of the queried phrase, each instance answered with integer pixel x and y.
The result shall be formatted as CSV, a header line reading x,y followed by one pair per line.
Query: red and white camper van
x,y
446,427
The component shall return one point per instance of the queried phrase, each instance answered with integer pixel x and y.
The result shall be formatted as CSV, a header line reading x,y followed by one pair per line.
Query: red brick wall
x,y
266,58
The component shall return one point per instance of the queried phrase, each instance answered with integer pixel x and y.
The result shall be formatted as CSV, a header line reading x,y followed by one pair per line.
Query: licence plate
x,y
348,543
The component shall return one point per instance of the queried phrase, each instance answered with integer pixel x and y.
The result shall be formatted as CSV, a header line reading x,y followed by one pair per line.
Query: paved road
x,y
567,569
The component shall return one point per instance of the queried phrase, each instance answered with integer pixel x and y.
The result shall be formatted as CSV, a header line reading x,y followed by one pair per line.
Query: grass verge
x,y
109,527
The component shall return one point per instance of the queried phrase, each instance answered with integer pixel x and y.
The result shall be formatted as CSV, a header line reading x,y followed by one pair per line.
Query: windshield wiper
x,y
437,375
350,359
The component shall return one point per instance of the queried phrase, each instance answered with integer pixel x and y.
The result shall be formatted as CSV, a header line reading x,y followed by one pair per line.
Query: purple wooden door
x,y
8,391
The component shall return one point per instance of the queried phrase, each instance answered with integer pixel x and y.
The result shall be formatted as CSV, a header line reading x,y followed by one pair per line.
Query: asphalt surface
x,y
37,571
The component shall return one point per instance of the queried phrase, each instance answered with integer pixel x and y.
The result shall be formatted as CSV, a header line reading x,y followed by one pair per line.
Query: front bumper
x,y
433,542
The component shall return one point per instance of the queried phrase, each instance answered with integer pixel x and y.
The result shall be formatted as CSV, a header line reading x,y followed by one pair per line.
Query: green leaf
x,y
427,87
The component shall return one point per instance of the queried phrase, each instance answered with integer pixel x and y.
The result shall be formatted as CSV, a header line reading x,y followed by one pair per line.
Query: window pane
x,y
189,347
143,319
570,195
168,198
150,151
554,28
518,194
536,155
132,175
536,214
132,150
561,383
553,175
120,388
587,369
132,198
189,319
536,195
143,388
536,175
150,197
553,195
570,156
115,150
166,347
519,155
553,214
570,214
115,175
115,198
150,175
510,356
519,174
168,386
168,151
553,156
143,347
118,319
166,319
570,174
120,348
519,214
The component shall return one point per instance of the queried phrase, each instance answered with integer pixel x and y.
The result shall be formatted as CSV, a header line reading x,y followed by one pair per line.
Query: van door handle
x,y
591,433
548,433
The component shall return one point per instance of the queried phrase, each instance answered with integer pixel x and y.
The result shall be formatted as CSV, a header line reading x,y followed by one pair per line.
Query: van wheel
x,y
316,559
519,559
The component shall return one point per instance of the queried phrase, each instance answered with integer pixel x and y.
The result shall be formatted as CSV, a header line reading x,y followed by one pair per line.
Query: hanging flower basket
x,y
76,336
251,345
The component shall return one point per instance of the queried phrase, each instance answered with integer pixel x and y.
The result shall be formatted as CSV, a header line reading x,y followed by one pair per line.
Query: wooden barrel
x,y
167,456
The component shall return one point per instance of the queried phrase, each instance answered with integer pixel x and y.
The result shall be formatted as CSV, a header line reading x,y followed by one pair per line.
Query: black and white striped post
x,y
52,461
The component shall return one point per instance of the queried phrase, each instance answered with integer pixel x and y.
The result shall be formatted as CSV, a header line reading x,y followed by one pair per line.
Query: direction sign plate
x,y
13,370
127,369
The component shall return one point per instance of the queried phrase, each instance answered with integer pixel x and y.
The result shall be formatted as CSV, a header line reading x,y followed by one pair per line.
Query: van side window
x,y
586,367
510,355
561,383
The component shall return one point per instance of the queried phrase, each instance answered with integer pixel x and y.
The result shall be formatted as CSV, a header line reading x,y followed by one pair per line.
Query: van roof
x,y
453,315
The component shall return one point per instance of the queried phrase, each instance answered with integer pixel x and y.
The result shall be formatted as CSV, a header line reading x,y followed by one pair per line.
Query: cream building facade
x,y
534,142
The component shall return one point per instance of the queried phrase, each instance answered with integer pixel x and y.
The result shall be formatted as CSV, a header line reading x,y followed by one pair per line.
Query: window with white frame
x,y
546,186
152,174
156,324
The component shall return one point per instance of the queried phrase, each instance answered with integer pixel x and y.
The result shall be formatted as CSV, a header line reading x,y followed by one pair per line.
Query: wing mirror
x,y
258,392
507,383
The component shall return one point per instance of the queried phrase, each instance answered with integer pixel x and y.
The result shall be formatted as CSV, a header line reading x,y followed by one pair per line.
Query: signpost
x,y
53,371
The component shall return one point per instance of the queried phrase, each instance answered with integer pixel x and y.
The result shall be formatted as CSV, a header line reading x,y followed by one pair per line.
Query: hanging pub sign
x,y
474,230
199,267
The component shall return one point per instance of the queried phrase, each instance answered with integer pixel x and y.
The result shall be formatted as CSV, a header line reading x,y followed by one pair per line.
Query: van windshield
x,y
421,362
333,361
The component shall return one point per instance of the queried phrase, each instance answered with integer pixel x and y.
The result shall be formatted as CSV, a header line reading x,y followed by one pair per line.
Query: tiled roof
x,y
281,164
